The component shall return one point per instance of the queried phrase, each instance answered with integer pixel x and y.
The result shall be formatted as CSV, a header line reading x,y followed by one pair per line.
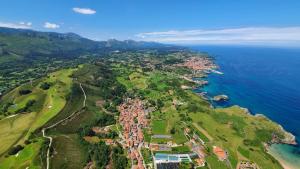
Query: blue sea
x,y
264,80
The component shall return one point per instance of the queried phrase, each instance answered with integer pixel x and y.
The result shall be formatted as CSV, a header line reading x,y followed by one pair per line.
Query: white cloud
x,y
20,25
248,35
25,23
85,11
49,25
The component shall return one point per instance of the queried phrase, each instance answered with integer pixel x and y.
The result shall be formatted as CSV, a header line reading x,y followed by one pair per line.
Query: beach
x,y
282,153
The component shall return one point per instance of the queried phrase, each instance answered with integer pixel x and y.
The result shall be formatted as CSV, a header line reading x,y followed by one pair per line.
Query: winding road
x,y
57,123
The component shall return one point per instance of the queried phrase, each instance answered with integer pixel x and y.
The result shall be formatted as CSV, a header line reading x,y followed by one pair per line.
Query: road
x,y
57,123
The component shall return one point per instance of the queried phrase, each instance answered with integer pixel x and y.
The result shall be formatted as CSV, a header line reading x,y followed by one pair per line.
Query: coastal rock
x,y
201,82
220,98
185,87
289,138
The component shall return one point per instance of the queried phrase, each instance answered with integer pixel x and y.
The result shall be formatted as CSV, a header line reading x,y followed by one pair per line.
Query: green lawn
x,y
138,80
159,127
181,149
55,99
25,158
214,163
13,129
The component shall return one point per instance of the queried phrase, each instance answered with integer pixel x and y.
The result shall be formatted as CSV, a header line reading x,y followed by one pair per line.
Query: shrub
x,y
24,91
173,130
15,150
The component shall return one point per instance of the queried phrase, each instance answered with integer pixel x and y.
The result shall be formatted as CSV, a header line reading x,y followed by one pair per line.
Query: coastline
x,y
289,140
277,154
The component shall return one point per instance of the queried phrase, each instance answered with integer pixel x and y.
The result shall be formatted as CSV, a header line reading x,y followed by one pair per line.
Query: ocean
x,y
264,80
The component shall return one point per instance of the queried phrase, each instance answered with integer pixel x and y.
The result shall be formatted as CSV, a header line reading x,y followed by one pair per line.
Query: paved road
x,y
57,123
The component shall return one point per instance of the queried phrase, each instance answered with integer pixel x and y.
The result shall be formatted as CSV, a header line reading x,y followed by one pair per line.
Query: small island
x,y
220,98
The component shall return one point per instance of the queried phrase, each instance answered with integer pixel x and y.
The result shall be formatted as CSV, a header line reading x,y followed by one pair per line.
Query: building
x,y
162,160
200,162
220,153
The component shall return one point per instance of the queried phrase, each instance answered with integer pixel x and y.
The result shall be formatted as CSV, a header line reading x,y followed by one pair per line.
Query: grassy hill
x,y
26,54
23,118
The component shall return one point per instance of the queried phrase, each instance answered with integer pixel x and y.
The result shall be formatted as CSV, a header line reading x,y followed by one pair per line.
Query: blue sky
x,y
170,21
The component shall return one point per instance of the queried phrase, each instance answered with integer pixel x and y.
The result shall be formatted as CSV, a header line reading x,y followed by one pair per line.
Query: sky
x,y
252,22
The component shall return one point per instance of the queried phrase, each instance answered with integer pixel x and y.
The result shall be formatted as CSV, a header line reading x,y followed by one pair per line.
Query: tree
x,y
24,91
173,130
45,86
160,103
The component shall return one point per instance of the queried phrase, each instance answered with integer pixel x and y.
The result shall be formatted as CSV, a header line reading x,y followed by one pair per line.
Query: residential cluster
x,y
198,64
247,165
133,118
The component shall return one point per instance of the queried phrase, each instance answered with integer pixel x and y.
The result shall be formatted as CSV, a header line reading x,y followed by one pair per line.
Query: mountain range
x,y
19,44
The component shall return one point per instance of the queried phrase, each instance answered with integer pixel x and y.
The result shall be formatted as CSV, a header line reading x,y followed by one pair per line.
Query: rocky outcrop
x,y
220,98
289,138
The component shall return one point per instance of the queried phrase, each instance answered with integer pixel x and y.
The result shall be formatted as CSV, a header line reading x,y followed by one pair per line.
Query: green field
x,y
13,129
28,157
159,127
48,103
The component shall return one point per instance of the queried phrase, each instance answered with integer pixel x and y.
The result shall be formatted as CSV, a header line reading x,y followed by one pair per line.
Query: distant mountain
x,y
28,43
21,43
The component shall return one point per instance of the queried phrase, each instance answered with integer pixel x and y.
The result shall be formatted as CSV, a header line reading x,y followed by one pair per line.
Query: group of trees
x,y
103,120
119,158
109,88
4,108
99,153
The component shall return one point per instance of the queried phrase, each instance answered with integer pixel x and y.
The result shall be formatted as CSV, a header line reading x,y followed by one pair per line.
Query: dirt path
x,y
210,138
84,101
57,123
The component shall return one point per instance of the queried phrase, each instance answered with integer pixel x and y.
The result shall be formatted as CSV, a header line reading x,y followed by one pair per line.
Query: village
x,y
134,118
